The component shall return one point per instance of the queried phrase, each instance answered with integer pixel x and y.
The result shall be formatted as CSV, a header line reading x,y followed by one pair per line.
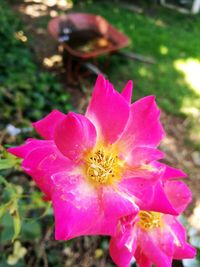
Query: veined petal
x,y
127,91
178,194
46,126
108,110
75,135
114,204
82,209
185,252
161,202
150,248
30,144
143,127
149,195
141,259
123,244
182,250
42,162
172,173
141,189
118,203
120,255
143,155
145,171
76,206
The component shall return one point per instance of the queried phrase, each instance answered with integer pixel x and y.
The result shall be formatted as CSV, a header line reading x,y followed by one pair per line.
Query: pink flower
x,y
152,238
99,167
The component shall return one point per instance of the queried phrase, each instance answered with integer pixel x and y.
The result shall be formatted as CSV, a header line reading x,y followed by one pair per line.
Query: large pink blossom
x,y
152,238
102,166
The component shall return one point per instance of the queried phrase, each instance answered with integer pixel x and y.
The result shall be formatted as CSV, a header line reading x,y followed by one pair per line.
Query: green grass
x,y
165,35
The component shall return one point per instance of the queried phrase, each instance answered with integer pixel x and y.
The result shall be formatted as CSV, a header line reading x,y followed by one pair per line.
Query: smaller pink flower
x,y
151,238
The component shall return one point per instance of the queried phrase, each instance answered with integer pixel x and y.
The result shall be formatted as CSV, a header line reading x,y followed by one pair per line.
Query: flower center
x,y
103,166
149,220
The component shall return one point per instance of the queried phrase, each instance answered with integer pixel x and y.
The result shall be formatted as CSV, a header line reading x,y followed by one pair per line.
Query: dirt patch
x,y
179,154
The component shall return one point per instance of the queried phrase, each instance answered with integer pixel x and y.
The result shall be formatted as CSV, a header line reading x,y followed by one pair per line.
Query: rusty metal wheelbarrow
x,y
105,39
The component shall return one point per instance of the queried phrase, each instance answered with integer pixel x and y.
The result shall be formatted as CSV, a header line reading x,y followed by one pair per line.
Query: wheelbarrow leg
x,y
77,69
68,65
107,60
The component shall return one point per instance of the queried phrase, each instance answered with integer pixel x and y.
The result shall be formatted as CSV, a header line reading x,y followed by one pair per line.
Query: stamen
x,y
103,166
149,220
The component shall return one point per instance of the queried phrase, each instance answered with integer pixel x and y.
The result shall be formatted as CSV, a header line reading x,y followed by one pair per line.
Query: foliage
x,y
29,92
16,209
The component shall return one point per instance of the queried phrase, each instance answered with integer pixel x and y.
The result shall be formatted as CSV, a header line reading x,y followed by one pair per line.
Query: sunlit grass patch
x,y
191,70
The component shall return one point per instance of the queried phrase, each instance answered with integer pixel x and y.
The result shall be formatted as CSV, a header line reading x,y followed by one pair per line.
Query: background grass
x,y
165,35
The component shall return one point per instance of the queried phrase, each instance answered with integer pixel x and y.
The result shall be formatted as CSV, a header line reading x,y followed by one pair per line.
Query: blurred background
x,y
45,65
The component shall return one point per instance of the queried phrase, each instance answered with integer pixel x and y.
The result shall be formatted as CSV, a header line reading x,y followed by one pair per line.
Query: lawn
x,y
172,39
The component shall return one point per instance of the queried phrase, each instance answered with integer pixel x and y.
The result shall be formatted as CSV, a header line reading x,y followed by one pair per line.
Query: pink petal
x,y
163,239
185,252
145,170
143,155
140,189
75,135
171,173
161,202
117,203
108,110
182,249
76,207
42,162
178,194
120,255
127,91
123,244
82,209
46,126
114,204
150,248
148,194
142,260
31,143
143,127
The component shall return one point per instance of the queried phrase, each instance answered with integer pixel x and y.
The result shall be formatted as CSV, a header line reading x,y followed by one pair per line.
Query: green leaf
x,y
6,164
12,208
2,210
3,180
30,230
7,232
8,161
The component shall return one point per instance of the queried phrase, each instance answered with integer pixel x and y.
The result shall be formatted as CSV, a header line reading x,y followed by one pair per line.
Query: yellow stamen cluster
x,y
149,220
103,166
